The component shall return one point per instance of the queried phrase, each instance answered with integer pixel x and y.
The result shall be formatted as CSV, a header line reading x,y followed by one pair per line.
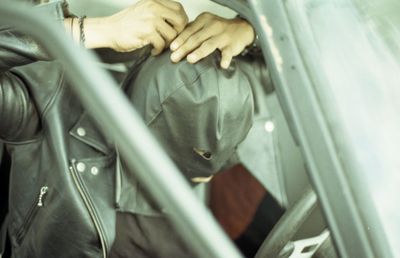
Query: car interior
x,y
266,204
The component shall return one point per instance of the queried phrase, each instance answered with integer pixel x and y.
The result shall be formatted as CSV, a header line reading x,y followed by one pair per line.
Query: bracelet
x,y
81,30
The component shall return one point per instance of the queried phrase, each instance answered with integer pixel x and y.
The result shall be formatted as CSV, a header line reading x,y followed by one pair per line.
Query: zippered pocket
x,y
37,205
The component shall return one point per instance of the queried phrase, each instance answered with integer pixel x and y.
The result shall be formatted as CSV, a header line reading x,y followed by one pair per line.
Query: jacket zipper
x,y
31,214
90,207
43,192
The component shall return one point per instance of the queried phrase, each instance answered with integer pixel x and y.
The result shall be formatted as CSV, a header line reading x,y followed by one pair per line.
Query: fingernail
x,y
225,65
174,57
191,58
174,45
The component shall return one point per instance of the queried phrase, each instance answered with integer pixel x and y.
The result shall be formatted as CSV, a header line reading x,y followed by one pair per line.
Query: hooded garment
x,y
199,113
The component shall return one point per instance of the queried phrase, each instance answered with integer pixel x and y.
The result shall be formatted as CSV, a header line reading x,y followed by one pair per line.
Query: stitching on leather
x,y
21,113
34,140
93,142
41,116
195,79
155,116
55,95
182,84
29,141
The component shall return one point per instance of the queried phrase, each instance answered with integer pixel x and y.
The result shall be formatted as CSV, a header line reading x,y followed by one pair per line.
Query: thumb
x,y
226,58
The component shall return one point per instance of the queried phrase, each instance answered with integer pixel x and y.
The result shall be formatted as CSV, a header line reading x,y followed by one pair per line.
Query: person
x,y
199,123
163,24
62,185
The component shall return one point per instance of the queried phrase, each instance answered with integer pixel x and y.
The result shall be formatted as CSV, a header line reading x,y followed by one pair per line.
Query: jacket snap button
x,y
269,126
94,171
80,166
81,131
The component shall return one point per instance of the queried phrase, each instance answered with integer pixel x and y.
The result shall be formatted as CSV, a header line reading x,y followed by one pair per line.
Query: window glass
x,y
351,49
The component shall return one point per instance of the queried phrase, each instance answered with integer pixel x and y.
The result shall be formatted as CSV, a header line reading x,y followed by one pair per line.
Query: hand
x,y
155,22
210,32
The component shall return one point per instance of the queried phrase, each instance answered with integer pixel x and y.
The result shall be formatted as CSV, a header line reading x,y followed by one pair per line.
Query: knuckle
x,y
181,38
194,39
207,46
150,28
151,4
170,37
160,45
238,50
178,6
200,52
185,19
224,38
192,42
181,20
173,34
178,40
205,15
217,25
185,48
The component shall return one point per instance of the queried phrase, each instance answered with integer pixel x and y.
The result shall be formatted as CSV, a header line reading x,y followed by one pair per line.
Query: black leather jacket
x,y
62,167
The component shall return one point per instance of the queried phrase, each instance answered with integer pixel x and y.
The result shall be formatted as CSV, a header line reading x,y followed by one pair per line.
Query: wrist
x,y
97,33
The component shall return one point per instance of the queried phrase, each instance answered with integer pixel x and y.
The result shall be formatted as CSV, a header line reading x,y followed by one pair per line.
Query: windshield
x,y
353,58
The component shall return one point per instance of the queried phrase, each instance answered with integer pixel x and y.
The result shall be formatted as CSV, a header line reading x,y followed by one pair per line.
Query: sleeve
x,y
18,115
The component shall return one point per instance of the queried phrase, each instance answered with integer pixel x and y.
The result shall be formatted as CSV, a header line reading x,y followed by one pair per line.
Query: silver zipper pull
x,y
43,192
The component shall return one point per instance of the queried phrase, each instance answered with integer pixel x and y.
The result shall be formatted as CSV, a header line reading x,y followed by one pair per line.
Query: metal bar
x,y
287,226
239,6
99,94
296,93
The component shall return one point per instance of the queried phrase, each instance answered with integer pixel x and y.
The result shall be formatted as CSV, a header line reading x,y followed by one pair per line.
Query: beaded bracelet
x,y
81,29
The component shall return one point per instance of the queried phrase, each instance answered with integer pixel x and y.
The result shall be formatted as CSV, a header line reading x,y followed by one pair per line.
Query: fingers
x,y
166,31
185,34
208,33
226,58
204,50
158,44
174,14
196,40
228,53
176,6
